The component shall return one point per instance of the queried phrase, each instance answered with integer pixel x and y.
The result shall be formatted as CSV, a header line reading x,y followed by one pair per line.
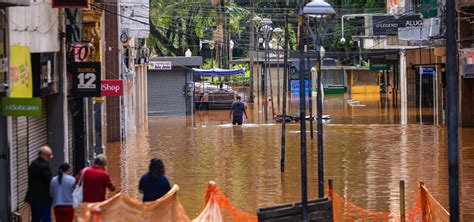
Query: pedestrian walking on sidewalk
x,y
39,177
237,112
61,189
96,181
154,184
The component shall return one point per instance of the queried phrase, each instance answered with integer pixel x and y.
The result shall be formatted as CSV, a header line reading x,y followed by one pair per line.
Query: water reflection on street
x,y
367,153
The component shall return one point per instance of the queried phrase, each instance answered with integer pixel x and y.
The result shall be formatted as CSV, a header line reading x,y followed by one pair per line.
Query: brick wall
x,y
112,68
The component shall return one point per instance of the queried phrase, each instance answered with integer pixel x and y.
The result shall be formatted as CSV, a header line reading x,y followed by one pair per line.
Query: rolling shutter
x,y
28,134
71,140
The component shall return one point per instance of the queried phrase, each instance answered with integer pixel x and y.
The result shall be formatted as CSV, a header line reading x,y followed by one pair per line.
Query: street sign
x,y
21,106
160,65
427,70
379,67
112,88
70,3
86,79
468,71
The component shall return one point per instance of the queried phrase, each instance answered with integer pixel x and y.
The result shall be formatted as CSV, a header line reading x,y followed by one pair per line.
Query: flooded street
x,y
367,153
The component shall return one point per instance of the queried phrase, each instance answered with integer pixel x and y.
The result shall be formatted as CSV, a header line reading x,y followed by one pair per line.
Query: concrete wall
x,y
32,30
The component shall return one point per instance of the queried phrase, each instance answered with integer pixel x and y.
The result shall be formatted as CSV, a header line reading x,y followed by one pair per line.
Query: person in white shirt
x,y
61,188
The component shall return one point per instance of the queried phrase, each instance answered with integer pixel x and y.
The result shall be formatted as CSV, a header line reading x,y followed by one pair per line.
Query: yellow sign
x,y
21,77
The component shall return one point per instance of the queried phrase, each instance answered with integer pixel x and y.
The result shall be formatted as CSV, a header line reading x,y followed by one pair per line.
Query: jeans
x,y
41,212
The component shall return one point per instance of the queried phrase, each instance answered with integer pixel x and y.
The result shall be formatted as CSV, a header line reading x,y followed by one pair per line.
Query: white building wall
x,y
35,26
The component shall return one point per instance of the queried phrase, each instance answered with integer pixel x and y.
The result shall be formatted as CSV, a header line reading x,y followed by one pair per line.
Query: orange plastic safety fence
x,y
431,208
231,213
347,211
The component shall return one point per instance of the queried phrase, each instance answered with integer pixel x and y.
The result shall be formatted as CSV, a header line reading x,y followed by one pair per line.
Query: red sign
x,y
70,3
112,88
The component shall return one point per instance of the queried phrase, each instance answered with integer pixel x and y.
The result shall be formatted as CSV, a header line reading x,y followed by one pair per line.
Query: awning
x,y
218,72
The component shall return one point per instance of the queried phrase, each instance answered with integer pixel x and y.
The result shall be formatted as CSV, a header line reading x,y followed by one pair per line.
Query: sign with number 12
x,y
86,79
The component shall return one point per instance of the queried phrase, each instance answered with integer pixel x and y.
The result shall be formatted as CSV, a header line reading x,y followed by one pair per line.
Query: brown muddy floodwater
x,y
367,153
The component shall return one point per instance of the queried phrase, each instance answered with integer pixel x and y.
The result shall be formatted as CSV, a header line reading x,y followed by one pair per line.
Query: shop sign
x,y
160,65
427,70
86,79
469,71
21,106
112,88
389,58
388,24
70,4
21,78
379,67
295,85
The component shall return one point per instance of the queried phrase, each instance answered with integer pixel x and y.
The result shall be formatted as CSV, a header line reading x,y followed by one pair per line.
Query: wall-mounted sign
x,y
379,67
44,77
160,65
86,79
387,58
21,106
427,70
70,3
21,79
388,24
468,71
112,88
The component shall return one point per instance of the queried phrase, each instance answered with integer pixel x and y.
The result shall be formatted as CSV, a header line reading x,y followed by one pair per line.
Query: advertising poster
x,y
21,79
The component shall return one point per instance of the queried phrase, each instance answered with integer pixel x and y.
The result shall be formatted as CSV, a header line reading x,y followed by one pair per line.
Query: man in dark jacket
x,y
39,177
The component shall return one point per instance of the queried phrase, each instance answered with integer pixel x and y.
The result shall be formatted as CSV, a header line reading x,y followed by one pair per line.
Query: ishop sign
x,y
21,106
112,88
86,79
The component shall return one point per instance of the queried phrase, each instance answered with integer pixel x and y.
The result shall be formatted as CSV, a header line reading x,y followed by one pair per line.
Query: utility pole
x,y
304,188
252,50
285,89
225,33
452,109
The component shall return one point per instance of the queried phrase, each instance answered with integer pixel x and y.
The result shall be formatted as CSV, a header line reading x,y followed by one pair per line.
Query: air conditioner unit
x,y
434,26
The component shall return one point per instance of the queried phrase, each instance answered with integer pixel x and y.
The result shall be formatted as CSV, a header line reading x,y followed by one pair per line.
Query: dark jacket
x,y
39,177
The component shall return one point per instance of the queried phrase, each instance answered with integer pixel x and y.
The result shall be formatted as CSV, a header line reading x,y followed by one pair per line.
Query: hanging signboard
x,y
70,3
44,77
468,71
21,79
21,106
160,65
388,24
86,79
427,70
112,88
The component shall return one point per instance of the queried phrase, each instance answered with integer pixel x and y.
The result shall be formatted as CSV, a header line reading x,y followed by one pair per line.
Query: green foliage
x,y
177,25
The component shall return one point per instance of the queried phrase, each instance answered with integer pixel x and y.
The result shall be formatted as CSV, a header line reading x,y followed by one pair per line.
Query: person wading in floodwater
x,y
238,110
